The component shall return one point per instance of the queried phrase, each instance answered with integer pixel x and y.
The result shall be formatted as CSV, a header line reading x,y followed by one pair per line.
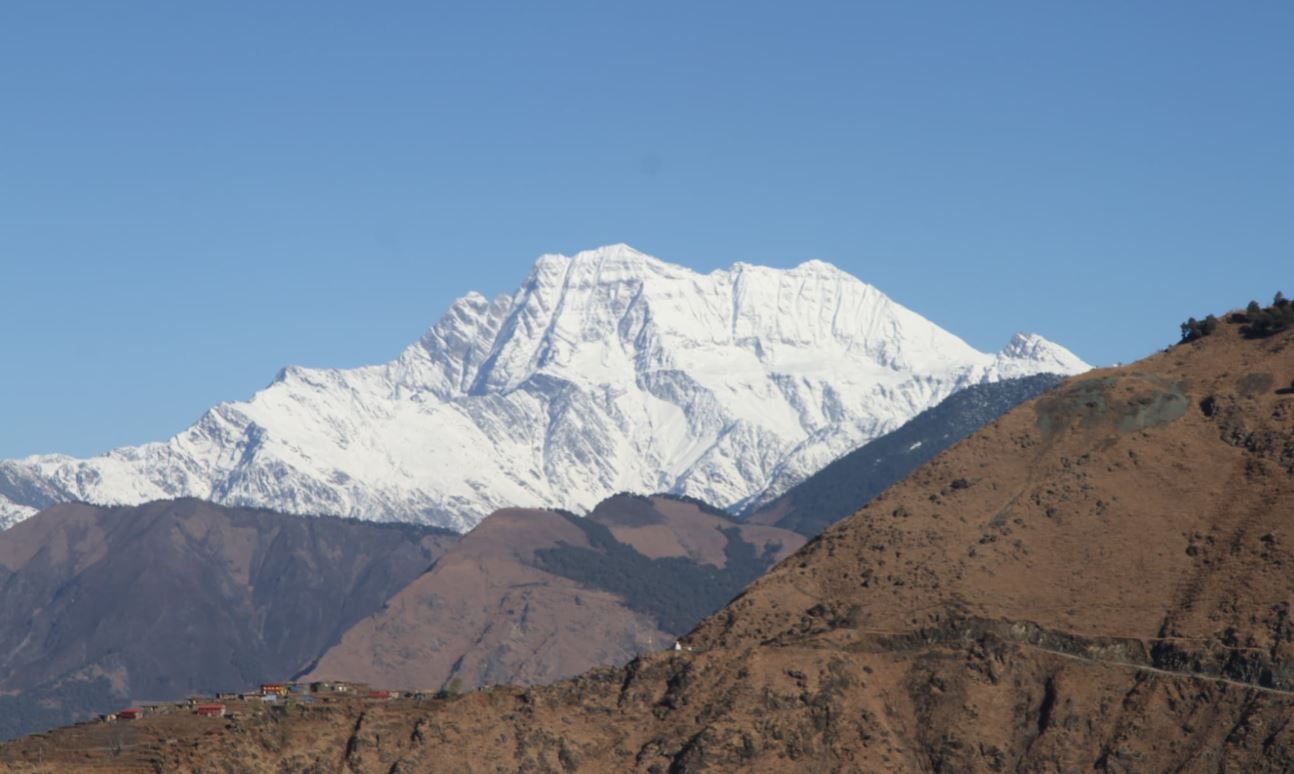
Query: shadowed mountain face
x,y
847,484
99,606
533,595
1098,581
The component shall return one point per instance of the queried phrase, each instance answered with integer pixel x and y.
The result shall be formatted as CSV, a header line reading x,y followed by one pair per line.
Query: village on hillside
x,y
145,734
276,697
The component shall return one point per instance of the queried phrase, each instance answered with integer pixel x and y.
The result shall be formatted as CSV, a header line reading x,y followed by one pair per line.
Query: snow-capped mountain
x,y
607,371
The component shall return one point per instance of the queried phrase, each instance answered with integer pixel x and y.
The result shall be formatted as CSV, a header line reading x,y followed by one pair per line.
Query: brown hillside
x,y
491,611
1101,580
485,614
664,527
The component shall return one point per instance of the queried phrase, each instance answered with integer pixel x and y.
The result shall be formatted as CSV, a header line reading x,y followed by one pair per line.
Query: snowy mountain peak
x,y
1026,345
1039,353
816,266
605,371
611,262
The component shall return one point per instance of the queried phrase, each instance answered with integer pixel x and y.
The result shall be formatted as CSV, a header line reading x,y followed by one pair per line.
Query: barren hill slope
x,y
1101,580
533,596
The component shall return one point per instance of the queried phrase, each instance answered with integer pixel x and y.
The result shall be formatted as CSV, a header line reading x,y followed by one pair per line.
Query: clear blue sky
x,y
193,195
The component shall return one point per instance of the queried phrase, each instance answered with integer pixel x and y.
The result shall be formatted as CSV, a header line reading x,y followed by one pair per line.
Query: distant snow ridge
x,y
604,372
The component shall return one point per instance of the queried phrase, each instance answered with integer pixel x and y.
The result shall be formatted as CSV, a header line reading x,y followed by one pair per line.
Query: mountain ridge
x,y
605,371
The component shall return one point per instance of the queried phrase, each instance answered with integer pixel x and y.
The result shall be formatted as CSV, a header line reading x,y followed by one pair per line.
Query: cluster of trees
x,y
1264,321
1258,320
1193,329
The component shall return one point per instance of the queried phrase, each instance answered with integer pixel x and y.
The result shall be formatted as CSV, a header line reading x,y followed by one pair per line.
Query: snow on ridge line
x,y
605,371
11,513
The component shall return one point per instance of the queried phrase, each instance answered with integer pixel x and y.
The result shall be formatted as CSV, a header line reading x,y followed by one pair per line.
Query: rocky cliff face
x,y
99,605
607,371
1098,581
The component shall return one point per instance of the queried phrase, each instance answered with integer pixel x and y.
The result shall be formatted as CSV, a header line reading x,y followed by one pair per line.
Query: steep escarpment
x,y
1097,581
99,606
